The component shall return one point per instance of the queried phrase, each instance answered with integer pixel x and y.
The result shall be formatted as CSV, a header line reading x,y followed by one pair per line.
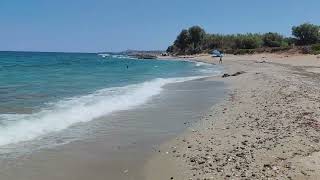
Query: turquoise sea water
x,y
48,92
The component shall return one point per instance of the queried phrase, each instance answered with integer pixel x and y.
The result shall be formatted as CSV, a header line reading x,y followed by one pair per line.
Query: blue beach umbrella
x,y
216,53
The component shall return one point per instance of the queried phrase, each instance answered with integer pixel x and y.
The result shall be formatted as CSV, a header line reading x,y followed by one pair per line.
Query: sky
x,y
116,25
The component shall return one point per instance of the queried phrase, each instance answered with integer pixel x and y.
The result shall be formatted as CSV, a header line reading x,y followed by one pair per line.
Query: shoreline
x,y
119,153
267,127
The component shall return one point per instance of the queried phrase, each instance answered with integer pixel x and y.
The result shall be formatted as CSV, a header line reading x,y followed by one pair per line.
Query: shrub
x,y
248,41
290,41
273,40
280,49
243,51
306,50
315,48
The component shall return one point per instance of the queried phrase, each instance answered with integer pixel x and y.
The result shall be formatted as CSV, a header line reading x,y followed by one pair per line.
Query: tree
x,y
183,41
197,35
290,41
170,49
271,39
189,41
306,33
195,40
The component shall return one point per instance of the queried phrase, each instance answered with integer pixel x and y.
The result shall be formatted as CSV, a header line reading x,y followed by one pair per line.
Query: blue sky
x,y
114,25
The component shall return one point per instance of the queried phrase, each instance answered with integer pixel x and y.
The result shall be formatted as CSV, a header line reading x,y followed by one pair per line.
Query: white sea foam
x,y
67,112
202,64
116,56
209,69
104,55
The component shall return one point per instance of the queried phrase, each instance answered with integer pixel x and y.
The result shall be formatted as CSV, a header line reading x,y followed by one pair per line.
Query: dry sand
x,y
267,128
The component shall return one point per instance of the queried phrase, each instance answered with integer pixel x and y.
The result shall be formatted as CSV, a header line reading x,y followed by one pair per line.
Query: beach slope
x,y
267,127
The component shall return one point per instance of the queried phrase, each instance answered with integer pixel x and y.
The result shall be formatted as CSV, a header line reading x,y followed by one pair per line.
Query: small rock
x,y
225,75
267,166
201,162
304,173
193,159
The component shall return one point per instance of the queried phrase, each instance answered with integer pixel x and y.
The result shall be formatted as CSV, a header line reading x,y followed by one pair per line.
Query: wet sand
x,y
266,128
118,146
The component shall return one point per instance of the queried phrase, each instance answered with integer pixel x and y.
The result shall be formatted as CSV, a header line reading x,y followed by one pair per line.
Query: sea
x,y
45,93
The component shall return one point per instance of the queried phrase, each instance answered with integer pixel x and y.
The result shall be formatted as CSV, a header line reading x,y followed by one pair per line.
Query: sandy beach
x,y
266,128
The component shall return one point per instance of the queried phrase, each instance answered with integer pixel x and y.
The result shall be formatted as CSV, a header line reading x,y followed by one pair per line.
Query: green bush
x,y
243,51
248,41
290,41
315,49
273,40
280,49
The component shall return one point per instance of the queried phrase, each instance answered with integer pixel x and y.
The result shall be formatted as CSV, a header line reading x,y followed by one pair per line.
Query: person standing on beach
x,y
221,55
220,61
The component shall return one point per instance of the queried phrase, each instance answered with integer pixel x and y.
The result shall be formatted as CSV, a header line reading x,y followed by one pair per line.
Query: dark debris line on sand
x,y
234,74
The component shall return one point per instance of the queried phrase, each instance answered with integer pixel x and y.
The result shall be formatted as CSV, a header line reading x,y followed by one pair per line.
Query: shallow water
x,y
116,146
83,116
45,93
